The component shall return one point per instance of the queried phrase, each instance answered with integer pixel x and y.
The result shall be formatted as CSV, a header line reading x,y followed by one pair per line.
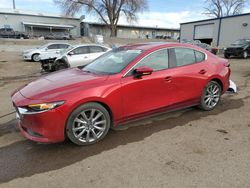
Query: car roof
x,y
79,45
156,45
50,43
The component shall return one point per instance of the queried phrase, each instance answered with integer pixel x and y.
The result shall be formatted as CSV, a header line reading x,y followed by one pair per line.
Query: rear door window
x,y
96,49
53,46
81,50
63,46
184,56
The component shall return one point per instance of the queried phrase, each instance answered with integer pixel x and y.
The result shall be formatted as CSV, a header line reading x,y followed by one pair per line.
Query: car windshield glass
x,y
43,46
239,42
112,62
63,51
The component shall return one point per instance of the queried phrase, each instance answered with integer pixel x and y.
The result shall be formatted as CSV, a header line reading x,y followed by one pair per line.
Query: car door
x,y
96,51
51,49
151,92
79,56
189,74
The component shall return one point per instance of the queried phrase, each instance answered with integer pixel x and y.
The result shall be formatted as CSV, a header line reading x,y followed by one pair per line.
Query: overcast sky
x,y
161,13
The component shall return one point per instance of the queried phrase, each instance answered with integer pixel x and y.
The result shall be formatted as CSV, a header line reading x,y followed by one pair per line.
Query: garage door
x,y
204,31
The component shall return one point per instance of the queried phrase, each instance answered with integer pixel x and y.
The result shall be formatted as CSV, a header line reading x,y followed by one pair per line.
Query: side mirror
x,y
143,71
71,53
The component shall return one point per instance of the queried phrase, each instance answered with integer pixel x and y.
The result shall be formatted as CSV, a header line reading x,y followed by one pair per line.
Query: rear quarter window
x,y
199,56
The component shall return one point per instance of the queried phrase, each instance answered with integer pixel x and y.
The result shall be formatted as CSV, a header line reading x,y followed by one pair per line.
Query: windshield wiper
x,y
87,71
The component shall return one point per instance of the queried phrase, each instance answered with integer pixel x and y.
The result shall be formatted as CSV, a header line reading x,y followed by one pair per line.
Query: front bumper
x,y
48,65
48,126
26,57
236,53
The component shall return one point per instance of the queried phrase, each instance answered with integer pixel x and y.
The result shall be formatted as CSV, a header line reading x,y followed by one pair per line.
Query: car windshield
x,y
43,46
112,62
240,42
63,51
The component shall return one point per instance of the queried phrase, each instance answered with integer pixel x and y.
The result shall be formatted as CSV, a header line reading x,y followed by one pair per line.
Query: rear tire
x,y
210,96
245,55
88,124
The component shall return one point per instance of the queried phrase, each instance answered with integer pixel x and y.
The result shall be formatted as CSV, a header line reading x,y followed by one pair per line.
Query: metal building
x,y
219,32
37,24
128,31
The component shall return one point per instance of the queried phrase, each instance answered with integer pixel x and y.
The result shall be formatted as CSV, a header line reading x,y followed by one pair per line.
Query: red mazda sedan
x,y
126,83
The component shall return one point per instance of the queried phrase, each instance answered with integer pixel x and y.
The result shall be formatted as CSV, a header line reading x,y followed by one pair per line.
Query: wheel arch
x,y
62,61
36,53
219,82
105,105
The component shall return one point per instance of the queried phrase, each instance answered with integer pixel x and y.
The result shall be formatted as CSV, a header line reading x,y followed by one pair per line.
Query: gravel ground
x,y
187,148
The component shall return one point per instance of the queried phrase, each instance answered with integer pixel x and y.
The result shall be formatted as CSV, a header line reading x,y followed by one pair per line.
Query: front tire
x,y
210,96
35,57
88,124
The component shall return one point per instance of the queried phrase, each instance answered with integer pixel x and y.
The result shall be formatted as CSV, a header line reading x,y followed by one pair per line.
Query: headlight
x,y
38,108
26,52
224,48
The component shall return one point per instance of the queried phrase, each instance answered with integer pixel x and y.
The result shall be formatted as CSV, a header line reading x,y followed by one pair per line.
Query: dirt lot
x,y
187,148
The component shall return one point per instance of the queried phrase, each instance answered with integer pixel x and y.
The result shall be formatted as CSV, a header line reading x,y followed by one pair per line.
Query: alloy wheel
x,y
212,96
89,125
36,57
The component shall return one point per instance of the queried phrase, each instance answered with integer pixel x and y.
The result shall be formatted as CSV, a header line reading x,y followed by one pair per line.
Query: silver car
x,y
50,48
80,55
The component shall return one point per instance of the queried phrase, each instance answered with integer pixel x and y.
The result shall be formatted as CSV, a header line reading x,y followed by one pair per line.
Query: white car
x,y
79,55
47,50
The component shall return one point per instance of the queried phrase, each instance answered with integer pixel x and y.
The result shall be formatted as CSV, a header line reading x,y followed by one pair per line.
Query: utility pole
x,y
14,4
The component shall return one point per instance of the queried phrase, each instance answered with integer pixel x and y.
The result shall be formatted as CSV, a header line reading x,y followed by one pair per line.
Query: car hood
x,y
60,83
31,50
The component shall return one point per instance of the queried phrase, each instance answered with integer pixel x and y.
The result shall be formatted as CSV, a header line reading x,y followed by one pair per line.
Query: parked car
x,y
78,55
240,48
34,54
58,36
124,84
53,54
10,33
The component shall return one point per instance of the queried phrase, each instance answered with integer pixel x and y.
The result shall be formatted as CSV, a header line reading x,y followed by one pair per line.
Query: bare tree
x,y
109,11
220,8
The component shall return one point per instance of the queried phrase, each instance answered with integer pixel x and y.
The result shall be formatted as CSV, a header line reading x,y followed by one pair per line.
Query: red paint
x,y
127,97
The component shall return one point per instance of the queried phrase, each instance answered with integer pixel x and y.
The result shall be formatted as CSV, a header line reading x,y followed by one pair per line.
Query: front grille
x,y
233,50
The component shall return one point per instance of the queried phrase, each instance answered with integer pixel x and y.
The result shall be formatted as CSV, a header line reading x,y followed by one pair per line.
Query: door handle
x,y
202,71
168,79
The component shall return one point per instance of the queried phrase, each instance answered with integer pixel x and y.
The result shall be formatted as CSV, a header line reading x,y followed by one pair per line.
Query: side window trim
x,y
172,58
127,73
